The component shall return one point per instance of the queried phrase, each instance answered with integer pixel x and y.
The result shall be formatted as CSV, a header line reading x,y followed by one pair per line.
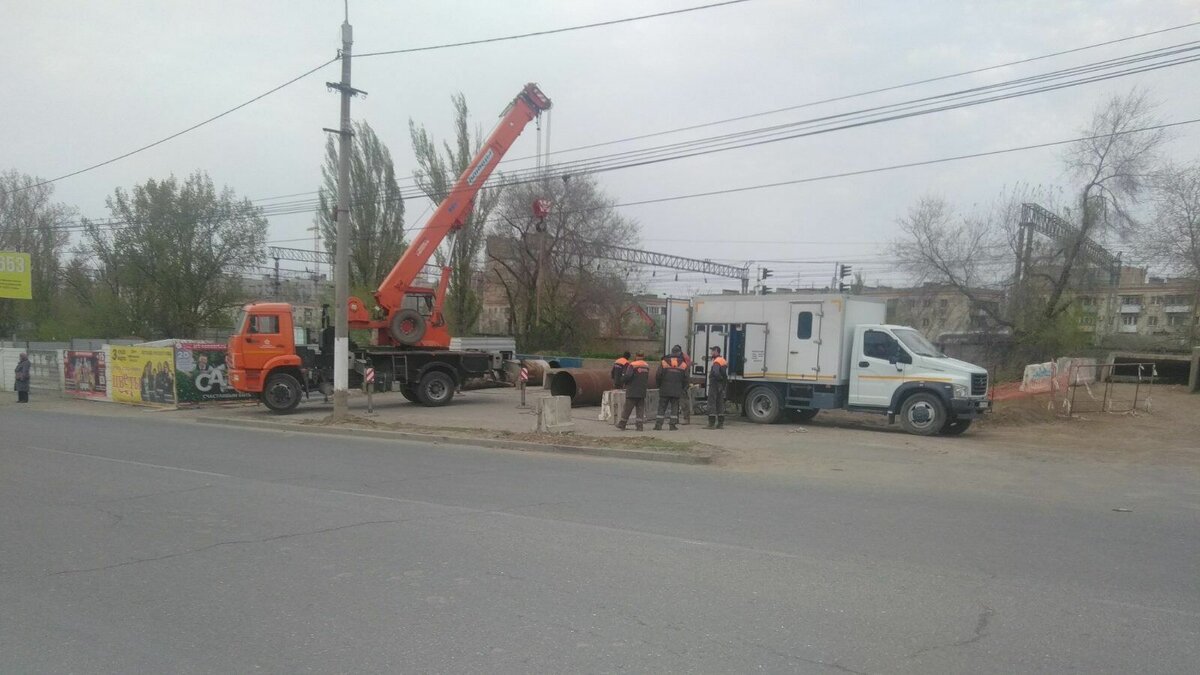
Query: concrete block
x,y
608,409
554,415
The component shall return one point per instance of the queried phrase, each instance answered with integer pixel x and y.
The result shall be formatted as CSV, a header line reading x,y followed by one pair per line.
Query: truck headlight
x,y
961,391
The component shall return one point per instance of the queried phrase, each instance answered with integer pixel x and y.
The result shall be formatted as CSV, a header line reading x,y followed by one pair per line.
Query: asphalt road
x,y
137,545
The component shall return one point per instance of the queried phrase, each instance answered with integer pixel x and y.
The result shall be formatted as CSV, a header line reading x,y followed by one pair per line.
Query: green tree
x,y
169,263
32,222
436,175
376,208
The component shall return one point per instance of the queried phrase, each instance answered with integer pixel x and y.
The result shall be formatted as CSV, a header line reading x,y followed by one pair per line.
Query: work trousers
x,y
634,403
716,400
663,403
22,397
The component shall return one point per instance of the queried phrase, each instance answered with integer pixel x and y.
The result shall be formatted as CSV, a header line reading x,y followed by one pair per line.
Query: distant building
x,y
1142,311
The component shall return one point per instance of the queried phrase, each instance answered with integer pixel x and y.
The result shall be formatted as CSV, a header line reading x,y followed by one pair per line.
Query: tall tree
x,y
559,291
436,175
169,262
376,207
32,222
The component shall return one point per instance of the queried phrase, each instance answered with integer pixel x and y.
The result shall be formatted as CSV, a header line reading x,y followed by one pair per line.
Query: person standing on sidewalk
x,y
672,383
718,378
22,380
636,380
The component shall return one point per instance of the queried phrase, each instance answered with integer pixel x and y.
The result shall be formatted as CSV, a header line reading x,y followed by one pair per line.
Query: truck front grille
x,y
979,384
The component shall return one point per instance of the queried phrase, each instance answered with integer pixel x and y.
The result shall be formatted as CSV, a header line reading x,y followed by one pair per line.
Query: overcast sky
x,y
87,81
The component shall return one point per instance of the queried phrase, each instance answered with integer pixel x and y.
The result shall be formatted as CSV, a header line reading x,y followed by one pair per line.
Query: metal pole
x,y
341,329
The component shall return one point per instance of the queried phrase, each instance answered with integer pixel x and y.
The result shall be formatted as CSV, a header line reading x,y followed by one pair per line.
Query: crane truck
x,y
274,359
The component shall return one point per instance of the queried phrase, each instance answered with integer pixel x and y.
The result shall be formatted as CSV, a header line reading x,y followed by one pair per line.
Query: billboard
x,y
15,278
84,374
201,374
142,375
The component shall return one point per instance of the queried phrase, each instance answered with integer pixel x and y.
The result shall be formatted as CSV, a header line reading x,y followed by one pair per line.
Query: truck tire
x,y
435,389
407,327
282,393
956,427
801,416
409,393
763,406
923,414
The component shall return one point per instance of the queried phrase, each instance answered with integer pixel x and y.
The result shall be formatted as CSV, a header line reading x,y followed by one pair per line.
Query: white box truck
x,y
792,355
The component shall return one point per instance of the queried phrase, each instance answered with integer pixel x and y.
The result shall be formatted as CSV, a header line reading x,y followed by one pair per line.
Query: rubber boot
x,y
621,425
640,427
712,421
658,425
720,421
674,427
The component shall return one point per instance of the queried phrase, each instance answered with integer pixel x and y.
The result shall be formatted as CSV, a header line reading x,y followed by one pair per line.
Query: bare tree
x,y
376,208
559,291
1173,235
436,175
1115,164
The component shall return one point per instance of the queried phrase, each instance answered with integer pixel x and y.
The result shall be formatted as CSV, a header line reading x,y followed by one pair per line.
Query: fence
x,y
162,374
1108,387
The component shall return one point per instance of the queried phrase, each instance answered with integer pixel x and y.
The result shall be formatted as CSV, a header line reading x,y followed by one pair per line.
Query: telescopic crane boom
x,y
405,323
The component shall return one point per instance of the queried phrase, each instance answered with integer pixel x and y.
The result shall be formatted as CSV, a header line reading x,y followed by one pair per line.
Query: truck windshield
x,y
241,322
917,343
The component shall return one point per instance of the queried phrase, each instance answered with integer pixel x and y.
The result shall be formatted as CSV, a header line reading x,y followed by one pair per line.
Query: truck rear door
x,y
754,351
804,341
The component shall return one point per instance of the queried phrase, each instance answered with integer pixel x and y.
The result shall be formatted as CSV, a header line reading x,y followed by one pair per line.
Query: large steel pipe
x,y
537,370
585,387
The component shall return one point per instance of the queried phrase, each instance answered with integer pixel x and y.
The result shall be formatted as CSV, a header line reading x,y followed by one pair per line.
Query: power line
x,y
868,92
552,31
178,133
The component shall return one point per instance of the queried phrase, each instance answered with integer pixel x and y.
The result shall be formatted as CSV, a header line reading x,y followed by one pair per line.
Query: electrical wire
x,y
553,31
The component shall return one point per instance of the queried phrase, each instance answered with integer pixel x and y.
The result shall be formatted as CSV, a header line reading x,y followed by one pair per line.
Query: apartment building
x,y
1142,309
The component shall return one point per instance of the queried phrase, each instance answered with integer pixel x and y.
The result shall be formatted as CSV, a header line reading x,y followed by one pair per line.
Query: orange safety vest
x,y
639,365
621,360
720,361
674,363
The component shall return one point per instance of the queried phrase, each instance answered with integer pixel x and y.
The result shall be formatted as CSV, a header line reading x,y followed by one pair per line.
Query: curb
x,y
525,446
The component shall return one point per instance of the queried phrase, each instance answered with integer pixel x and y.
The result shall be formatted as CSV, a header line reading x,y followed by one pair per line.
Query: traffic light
x,y
843,272
763,273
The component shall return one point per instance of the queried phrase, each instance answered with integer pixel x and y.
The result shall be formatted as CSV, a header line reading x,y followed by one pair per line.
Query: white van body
x,y
795,354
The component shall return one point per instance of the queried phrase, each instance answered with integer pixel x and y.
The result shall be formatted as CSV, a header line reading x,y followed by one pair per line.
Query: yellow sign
x,y
142,375
15,281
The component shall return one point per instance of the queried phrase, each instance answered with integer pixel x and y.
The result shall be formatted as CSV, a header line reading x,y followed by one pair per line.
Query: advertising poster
x,y
142,375
201,375
84,374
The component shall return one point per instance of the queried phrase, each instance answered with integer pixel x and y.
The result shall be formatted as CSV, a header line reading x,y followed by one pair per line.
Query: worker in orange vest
x,y
718,377
618,371
636,380
672,383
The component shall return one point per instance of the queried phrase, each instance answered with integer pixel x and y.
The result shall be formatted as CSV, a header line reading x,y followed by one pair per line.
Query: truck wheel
x,y
956,427
409,393
763,405
801,416
282,393
407,326
435,389
923,414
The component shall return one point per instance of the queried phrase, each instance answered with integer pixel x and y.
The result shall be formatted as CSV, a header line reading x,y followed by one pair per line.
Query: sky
x,y
89,81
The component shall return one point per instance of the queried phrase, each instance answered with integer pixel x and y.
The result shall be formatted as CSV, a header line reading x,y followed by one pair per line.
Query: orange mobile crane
x,y
410,343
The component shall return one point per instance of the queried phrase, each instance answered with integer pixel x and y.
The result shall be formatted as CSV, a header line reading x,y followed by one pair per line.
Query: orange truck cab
x,y
264,343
